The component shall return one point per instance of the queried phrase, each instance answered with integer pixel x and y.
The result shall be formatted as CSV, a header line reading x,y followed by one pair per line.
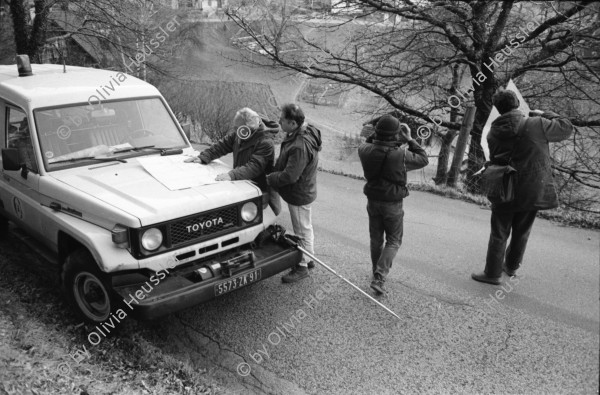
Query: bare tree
x,y
406,59
125,35
29,35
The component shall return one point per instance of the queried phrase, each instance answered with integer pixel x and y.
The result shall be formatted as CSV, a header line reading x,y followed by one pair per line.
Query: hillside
x,y
209,55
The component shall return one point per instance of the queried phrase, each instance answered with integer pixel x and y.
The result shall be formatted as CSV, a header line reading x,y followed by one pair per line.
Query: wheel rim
x,y
91,296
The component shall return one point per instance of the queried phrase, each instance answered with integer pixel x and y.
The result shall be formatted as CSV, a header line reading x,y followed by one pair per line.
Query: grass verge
x,y
561,215
39,339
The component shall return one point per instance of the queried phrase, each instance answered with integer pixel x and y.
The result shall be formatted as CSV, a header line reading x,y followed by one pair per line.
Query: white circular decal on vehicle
x,y
63,132
18,208
49,154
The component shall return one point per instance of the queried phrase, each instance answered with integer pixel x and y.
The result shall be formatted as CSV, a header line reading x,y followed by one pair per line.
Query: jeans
x,y
388,218
302,224
502,223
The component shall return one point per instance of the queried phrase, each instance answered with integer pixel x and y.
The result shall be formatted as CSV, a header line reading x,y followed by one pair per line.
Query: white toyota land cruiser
x,y
93,172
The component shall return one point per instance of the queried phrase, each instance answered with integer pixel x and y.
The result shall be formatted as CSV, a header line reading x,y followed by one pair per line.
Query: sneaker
x,y
310,264
296,274
377,284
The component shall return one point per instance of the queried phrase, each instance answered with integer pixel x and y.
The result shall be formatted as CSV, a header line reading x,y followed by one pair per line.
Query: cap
x,y
387,125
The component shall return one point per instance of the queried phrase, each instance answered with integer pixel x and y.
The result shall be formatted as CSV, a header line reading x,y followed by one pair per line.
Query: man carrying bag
x,y
523,142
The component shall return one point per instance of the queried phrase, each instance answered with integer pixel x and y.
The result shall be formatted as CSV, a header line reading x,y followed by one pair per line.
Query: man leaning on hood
x,y
295,178
252,147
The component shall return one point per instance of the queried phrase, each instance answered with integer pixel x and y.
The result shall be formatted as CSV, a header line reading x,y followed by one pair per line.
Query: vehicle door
x,y
20,188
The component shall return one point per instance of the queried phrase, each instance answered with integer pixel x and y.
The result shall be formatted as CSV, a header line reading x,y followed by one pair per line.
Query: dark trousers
x,y
384,218
520,223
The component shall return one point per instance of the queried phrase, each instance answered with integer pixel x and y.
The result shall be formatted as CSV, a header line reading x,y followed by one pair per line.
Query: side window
x,y
19,137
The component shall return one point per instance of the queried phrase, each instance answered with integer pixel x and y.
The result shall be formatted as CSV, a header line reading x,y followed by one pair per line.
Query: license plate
x,y
237,282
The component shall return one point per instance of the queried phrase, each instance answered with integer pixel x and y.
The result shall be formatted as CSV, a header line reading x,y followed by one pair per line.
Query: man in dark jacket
x,y
385,164
252,147
295,178
527,140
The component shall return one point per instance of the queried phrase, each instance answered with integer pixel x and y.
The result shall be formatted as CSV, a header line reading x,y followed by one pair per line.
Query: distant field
x,y
215,103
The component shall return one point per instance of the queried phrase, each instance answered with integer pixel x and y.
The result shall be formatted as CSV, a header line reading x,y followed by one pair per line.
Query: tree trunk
x,y
461,146
37,38
483,103
476,157
443,157
441,174
20,26
29,40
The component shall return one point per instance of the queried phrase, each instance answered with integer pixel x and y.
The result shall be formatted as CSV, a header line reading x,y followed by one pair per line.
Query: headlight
x,y
249,211
152,239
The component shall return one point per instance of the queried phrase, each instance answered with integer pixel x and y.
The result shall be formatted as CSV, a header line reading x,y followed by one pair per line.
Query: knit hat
x,y
387,126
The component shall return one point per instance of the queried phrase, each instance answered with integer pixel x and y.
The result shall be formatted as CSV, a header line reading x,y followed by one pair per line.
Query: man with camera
x,y
385,161
523,142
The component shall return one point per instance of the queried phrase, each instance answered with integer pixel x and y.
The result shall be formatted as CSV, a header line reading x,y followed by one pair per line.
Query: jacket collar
x,y
393,144
257,134
300,130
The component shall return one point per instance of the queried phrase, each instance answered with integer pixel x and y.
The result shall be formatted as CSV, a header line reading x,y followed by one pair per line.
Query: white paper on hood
x,y
175,174
523,107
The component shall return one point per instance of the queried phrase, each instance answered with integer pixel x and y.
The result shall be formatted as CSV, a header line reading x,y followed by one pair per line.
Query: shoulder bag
x,y
499,182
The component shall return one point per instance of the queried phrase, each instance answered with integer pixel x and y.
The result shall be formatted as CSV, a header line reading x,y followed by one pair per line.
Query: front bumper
x,y
149,295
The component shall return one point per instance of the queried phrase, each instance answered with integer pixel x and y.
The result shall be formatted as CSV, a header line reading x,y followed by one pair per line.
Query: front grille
x,y
200,226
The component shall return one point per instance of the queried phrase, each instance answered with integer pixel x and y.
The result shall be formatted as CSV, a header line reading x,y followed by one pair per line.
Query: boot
x,y
484,278
508,271
296,274
378,284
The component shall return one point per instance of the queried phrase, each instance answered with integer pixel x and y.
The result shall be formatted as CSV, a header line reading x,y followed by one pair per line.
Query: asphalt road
x,y
536,334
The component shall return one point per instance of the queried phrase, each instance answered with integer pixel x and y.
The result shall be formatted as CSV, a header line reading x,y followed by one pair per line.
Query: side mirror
x,y
12,162
10,159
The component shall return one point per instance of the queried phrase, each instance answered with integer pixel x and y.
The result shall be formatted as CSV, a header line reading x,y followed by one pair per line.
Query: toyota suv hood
x,y
132,188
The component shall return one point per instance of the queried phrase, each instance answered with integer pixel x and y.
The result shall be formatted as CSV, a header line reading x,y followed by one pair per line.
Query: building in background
x,y
79,49
198,9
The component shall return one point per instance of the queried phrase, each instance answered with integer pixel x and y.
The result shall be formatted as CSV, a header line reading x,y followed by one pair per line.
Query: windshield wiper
x,y
89,158
133,149
163,151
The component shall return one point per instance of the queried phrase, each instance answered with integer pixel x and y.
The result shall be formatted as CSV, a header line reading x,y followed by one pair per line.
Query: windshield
x,y
72,136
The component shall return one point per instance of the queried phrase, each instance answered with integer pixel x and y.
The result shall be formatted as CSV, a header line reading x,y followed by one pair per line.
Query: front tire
x,y
86,288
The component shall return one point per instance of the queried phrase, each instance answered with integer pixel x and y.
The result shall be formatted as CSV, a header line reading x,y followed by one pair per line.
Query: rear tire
x,y
86,288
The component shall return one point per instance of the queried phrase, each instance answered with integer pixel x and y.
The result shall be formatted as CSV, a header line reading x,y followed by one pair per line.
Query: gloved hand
x,y
195,159
223,177
367,130
404,134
